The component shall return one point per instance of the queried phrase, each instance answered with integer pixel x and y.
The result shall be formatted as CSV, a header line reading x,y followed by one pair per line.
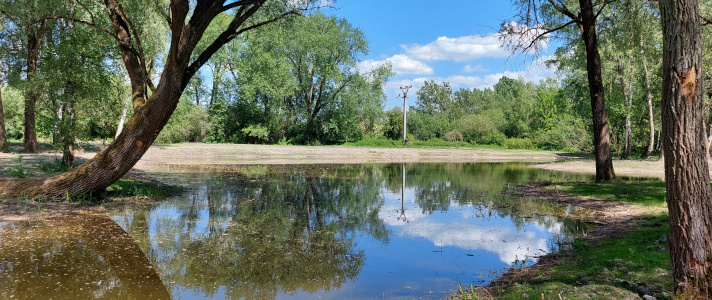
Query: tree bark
x,y
649,97
34,41
3,134
687,177
601,135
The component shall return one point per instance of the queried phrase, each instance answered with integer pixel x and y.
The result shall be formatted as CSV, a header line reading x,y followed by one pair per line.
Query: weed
x,y
19,172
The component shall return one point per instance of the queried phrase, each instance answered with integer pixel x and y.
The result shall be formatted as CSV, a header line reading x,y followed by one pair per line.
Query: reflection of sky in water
x,y
465,227
424,257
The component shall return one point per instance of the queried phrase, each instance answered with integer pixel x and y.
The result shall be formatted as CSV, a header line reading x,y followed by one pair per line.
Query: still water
x,y
393,231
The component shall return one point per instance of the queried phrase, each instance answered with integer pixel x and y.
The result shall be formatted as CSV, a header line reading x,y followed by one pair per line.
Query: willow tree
x,y
537,20
153,104
687,178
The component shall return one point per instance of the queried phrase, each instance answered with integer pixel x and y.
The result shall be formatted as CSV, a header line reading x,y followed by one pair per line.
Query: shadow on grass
x,y
645,192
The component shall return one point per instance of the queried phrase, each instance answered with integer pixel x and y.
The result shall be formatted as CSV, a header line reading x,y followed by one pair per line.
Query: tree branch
x,y
561,7
228,35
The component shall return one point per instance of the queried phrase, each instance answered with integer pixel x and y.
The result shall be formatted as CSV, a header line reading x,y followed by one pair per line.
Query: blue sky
x,y
451,41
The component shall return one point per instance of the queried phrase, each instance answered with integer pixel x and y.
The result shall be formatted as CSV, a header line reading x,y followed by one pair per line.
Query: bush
x,y
189,123
13,103
565,133
480,129
256,133
517,143
453,136
424,127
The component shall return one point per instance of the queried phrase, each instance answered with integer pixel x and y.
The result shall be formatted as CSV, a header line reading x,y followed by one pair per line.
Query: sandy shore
x,y
192,156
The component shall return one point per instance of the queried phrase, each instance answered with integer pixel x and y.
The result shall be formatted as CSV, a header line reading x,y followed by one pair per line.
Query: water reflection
x,y
77,257
268,232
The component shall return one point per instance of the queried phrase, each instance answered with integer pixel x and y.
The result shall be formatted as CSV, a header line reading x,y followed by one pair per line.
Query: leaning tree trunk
x,y
148,119
601,136
119,157
687,176
649,97
3,134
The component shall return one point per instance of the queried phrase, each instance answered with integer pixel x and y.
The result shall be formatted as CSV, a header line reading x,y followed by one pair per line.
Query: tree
x,y
3,135
152,111
556,16
687,177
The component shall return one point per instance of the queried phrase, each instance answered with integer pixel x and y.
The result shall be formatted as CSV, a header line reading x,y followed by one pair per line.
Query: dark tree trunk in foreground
x,y
148,119
34,41
3,134
601,135
686,171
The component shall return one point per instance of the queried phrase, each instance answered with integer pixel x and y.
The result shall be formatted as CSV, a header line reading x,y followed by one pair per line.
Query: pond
x,y
294,231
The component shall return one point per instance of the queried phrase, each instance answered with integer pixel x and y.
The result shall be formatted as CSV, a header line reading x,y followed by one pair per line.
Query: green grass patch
x,y
646,192
636,262
141,188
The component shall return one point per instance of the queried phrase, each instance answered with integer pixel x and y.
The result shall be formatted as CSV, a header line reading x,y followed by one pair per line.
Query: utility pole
x,y
404,89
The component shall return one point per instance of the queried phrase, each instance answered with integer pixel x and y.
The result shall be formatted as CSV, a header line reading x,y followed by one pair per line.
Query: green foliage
x,y
517,143
424,127
565,133
393,127
453,136
480,129
189,123
256,132
13,102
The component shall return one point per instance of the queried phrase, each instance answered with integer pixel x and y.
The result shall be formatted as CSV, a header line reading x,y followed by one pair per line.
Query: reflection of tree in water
x,y
78,257
284,230
438,186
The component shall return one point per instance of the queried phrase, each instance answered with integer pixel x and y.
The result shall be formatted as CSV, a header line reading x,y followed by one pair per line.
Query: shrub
x,y
517,143
256,132
565,133
480,129
453,136
189,123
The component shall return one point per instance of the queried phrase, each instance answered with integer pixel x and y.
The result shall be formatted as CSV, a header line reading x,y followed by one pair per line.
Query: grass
x,y
629,264
636,262
646,192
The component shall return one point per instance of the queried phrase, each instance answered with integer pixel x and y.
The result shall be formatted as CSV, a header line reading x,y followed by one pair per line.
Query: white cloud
x,y
472,69
463,48
402,65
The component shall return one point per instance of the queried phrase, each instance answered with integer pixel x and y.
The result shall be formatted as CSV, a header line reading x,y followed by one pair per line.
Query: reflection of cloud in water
x,y
509,244
390,212
467,231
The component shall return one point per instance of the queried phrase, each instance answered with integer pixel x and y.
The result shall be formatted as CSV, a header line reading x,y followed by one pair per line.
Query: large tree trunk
x,y
649,97
34,41
601,136
686,169
3,134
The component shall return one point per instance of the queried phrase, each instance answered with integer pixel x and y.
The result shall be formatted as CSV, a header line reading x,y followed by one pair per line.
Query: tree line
x,y
66,58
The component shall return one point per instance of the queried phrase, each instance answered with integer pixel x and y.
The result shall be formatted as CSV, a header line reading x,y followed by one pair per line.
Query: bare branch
x,y
561,7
